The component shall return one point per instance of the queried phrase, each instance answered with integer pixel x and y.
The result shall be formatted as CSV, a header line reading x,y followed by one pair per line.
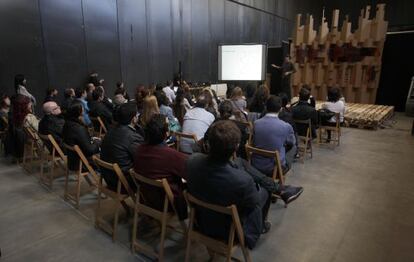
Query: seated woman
x,y
75,132
336,105
239,103
258,105
167,111
149,108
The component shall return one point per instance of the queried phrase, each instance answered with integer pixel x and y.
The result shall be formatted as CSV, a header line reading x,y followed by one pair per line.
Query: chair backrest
x,y
235,227
162,184
48,139
5,122
249,126
99,126
83,160
179,136
114,167
277,170
307,122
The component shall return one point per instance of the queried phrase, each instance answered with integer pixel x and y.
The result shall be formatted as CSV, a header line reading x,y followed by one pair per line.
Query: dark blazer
x,y
303,111
221,184
75,133
100,109
53,125
119,146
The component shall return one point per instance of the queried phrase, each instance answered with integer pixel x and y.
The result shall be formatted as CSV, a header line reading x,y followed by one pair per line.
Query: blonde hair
x,y
149,108
236,93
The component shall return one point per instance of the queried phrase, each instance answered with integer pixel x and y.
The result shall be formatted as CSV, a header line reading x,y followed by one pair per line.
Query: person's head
x,y
120,91
156,130
250,90
51,108
284,99
80,92
170,83
223,140
102,89
273,104
236,93
208,97
202,101
287,58
159,86
150,108
69,92
22,106
152,88
261,95
98,95
90,87
126,114
75,111
19,80
140,93
334,94
225,110
304,94
162,99
119,84
5,102
51,91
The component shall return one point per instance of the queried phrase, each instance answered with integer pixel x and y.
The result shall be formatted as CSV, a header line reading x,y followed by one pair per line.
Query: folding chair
x,y
179,136
305,142
3,132
117,196
222,247
99,129
55,157
32,148
335,131
248,126
79,173
163,217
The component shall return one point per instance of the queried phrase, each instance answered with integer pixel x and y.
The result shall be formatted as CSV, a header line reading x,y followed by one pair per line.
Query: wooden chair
x,y
99,129
248,126
305,142
277,174
31,151
179,136
222,247
163,217
117,196
54,158
335,131
3,132
79,173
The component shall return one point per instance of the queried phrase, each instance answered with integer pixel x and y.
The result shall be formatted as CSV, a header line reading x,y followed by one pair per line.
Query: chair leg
x,y
78,189
134,231
98,209
52,173
116,216
163,232
188,249
66,183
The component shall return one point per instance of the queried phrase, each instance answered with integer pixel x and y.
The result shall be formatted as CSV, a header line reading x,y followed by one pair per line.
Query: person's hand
x,y
275,66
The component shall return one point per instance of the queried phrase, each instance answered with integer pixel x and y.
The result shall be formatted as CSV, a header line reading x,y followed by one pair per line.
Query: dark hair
x,y
18,81
156,129
74,111
334,94
304,94
162,99
223,139
68,92
250,90
20,109
202,101
50,91
159,87
284,98
120,91
79,92
226,110
259,100
119,84
97,93
125,113
3,101
140,93
178,107
273,104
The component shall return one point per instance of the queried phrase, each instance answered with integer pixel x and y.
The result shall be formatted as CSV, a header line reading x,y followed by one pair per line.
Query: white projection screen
x,y
242,62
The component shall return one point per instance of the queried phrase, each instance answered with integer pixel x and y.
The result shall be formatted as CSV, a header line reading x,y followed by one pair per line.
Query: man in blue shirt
x,y
271,133
81,96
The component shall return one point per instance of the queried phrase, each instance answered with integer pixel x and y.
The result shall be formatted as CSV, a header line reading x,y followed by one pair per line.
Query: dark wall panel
x,y
133,42
102,41
216,21
64,42
21,47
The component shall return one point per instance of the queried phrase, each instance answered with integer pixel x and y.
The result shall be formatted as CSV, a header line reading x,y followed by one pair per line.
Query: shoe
x,y
266,226
290,193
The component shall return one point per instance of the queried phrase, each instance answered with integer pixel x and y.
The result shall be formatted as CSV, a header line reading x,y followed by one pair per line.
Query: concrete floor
x,y
358,205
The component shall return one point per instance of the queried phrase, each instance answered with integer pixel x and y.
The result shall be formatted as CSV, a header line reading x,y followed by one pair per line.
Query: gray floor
x,y
358,205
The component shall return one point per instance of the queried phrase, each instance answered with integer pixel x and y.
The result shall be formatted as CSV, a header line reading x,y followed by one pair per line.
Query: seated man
x,y
156,160
216,179
120,143
271,133
196,121
52,123
81,96
98,108
303,111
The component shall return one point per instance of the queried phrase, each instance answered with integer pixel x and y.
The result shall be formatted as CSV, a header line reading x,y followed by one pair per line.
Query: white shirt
x,y
337,107
169,93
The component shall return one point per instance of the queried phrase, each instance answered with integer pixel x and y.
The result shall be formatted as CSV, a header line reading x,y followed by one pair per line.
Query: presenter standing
x,y
287,70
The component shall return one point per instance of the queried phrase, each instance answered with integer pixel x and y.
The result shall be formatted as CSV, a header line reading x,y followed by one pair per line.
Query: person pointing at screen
x,y
287,70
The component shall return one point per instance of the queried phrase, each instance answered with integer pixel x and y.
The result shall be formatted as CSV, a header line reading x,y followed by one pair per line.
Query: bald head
x,y
51,108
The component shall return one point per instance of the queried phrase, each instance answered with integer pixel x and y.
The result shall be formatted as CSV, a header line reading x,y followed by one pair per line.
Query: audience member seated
x,y
239,104
211,102
163,104
121,96
52,123
169,92
98,108
93,78
21,89
120,143
141,93
271,133
196,121
336,105
179,106
68,98
106,100
149,109
303,111
156,160
81,95
89,91
188,97
258,104
75,132
285,112
51,95
216,179
311,101
5,106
